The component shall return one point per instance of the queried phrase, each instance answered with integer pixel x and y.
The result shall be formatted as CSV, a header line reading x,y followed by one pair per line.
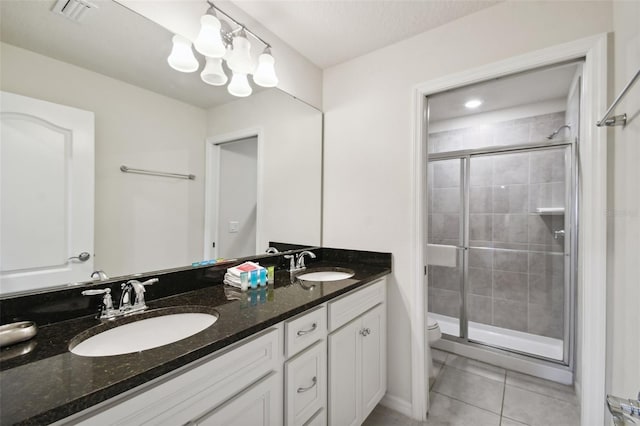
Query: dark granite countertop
x,y
50,383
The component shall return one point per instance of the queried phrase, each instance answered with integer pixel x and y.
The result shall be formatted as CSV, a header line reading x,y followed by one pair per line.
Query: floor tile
x,y
476,367
445,411
470,388
538,410
510,422
541,386
439,356
382,416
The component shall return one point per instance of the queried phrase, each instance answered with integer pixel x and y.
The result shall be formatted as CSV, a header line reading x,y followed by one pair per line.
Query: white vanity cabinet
x,y
357,354
243,382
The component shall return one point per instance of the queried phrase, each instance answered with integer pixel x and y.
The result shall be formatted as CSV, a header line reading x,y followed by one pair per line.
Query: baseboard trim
x,y
397,404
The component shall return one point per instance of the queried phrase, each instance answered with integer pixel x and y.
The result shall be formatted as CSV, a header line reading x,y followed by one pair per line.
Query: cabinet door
x,y
374,363
305,384
345,375
260,405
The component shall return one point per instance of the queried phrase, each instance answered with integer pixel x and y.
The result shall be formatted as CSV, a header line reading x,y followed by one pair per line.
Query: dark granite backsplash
x,y
67,303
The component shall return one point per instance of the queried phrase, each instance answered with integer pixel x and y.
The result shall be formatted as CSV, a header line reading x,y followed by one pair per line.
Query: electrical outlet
x,y
233,226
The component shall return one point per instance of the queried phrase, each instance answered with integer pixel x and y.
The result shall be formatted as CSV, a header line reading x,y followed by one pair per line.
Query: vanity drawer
x,y
305,379
303,331
355,303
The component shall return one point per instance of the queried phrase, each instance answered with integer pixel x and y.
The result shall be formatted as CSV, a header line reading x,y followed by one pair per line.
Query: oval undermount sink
x,y
144,334
335,274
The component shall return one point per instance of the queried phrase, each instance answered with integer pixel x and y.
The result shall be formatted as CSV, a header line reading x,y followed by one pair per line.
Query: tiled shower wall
x,y
516,267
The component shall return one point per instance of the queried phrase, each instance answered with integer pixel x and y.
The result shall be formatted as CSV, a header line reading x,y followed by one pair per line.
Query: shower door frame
x,y
570,245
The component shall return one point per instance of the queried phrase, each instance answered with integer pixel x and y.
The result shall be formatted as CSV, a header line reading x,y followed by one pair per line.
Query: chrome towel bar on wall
x,y
126,169
617,120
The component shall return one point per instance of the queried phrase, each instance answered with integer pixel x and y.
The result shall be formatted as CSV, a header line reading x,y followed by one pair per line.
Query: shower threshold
x,y
519,341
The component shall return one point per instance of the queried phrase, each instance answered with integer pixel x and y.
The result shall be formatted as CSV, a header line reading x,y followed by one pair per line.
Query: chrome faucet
x,y
300,262
272,250
106,308
296,262
132,298
99,275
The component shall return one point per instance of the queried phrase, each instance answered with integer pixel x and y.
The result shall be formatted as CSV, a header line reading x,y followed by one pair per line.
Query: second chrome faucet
x,y
296,262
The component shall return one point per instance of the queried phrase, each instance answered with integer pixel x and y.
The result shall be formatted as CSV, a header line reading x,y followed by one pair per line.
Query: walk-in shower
x,y
502,213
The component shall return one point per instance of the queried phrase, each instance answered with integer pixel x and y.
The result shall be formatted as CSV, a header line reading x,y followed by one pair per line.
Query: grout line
x,y
467,403
504,391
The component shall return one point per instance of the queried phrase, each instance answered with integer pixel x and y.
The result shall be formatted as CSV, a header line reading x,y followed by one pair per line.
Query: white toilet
x,y
433,335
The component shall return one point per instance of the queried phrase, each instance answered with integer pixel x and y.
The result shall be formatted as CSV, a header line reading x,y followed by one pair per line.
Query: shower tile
x,y
445,278
510,198
470,388
541,386
511,228
477,137
538,410
480,227
445,411
446,200
480,199
512,132
446,174
510,314
541,289
540,229
511,246
480,281
445,226
510,286
547,166
543,125
510,261
481,171
510,169
476,367
479,308
479,258
446,302
545,320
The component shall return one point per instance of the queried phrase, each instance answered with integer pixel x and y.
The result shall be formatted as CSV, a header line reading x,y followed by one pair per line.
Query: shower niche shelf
x,y
550,210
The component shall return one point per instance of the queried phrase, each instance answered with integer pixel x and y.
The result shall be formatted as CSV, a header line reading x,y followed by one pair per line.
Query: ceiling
x,y
330,32
135,50
506,92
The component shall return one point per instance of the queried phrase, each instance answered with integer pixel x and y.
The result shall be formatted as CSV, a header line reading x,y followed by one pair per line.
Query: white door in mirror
x,y
47,175
143,334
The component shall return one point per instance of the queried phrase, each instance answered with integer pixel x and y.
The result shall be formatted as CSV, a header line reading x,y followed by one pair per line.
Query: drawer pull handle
x,y
311,330
315,382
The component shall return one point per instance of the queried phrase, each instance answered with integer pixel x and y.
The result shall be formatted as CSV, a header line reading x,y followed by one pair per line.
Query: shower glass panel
x,y
516,294
445,235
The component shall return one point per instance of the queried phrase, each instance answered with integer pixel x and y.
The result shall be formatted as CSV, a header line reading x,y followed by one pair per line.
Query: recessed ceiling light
x,y
473,103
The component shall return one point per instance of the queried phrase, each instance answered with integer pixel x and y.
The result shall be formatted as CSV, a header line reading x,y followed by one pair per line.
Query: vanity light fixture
x,y
219,43
473,103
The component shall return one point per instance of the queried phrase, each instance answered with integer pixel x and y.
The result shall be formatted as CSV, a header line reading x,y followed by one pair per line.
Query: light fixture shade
x,y
181,57
265,74
239,85
213,73
240,60
209,42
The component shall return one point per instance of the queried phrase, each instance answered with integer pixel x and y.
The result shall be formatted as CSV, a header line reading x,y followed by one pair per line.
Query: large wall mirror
x,y
256,160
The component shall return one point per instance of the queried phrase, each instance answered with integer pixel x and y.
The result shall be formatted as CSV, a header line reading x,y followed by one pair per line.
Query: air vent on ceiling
x,y
76,10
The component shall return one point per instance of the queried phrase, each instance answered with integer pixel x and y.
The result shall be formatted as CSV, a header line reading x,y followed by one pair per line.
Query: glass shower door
x,y
445,202
517,289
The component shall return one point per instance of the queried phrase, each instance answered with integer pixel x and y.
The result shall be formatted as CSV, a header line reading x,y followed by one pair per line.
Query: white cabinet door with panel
x,y
374,358
305,384
260,405
345,375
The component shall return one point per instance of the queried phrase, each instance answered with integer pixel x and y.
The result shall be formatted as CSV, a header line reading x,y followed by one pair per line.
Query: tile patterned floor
x,y
472,393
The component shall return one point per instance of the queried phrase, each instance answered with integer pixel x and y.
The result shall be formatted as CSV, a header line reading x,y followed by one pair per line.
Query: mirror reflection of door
x,y
237,198
46,193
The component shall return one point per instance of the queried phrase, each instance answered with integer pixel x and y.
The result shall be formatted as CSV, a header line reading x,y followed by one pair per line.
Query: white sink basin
x,y
326,275
144,334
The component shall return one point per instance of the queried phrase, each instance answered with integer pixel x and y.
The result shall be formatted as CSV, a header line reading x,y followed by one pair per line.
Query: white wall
x,y
368,135
292,149
623,283
142,223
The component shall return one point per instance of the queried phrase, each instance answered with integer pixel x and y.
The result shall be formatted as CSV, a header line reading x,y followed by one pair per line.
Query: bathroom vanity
x,y
293,353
